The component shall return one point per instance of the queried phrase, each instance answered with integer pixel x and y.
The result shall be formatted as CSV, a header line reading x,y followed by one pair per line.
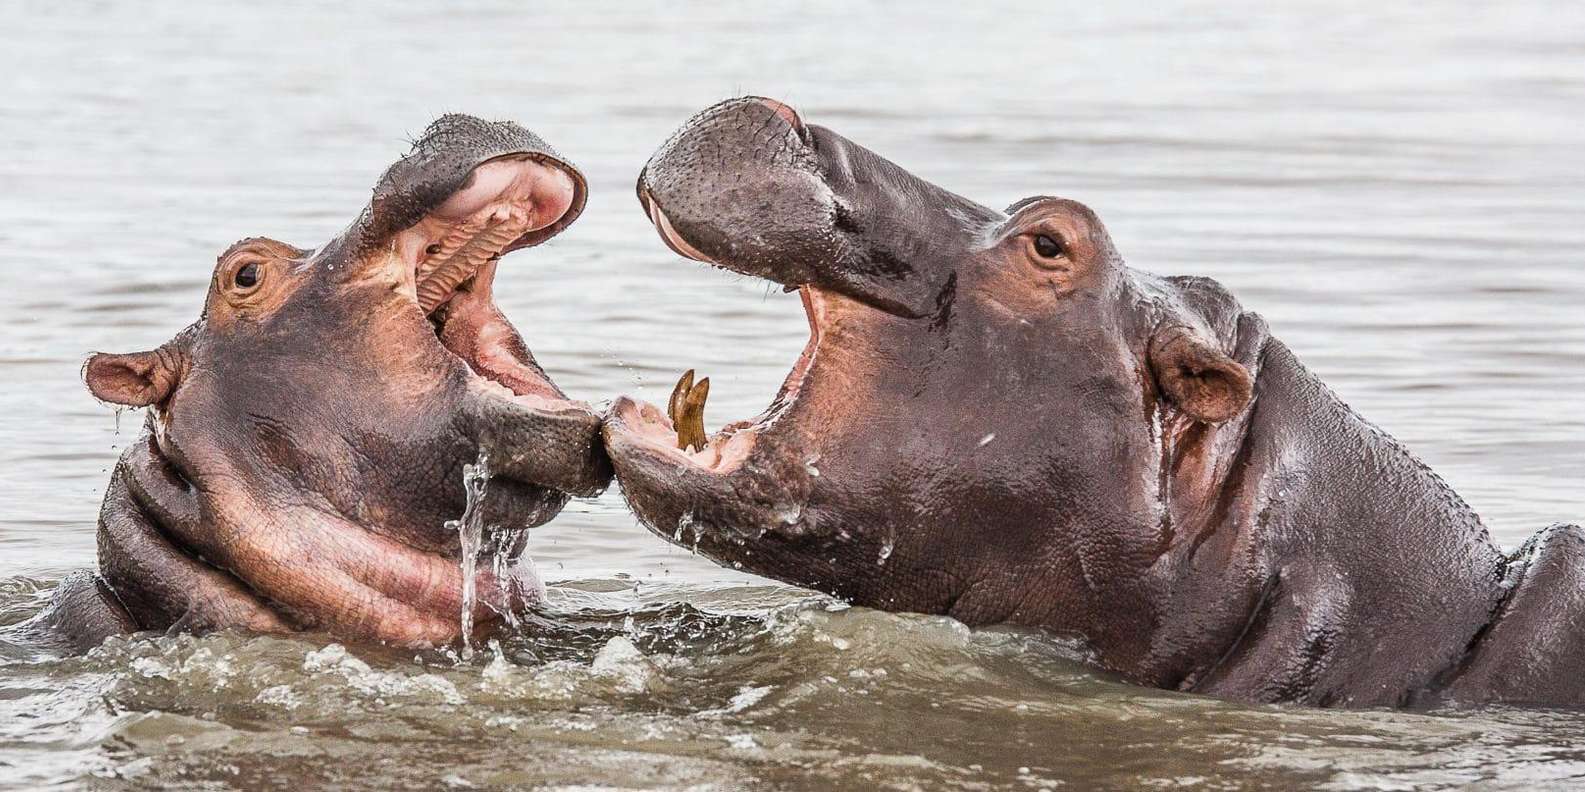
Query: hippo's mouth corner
x,y
677,433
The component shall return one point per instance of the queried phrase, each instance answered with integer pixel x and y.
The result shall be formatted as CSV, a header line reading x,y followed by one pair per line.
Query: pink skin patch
x,y
785,111
670,236
506,199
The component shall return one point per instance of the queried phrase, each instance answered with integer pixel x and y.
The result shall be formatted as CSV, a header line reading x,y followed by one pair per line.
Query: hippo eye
x,y
432,249
1047,247
247,276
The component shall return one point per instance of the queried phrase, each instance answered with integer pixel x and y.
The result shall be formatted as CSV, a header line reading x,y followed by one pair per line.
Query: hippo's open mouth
x,y
679,431
454,251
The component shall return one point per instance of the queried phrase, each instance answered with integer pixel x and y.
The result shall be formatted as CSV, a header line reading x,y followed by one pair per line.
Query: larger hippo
x,y
307,437
996,419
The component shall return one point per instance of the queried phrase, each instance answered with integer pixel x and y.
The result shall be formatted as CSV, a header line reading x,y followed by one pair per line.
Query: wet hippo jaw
x,y
802,207
309,433
470,192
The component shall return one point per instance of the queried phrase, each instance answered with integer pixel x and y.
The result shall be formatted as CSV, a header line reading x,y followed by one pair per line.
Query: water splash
x,y
470,531
504,563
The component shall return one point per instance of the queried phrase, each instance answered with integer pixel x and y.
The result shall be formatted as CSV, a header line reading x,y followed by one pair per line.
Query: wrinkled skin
x,y
307,436
996,419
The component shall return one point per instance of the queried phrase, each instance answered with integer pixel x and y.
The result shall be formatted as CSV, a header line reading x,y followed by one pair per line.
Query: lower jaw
x,y
727,449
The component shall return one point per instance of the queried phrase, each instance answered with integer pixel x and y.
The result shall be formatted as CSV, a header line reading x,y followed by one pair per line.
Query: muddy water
x,y
1398,191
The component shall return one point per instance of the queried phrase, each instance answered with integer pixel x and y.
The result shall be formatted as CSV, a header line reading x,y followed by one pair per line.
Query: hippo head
x,y
978,419
308,434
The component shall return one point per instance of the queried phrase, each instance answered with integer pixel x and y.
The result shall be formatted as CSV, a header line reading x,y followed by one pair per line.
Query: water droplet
x,y
809,466
789,514
986,440
684,524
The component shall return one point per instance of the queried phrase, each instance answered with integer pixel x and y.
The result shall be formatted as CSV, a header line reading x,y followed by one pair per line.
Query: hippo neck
x,y
1310,548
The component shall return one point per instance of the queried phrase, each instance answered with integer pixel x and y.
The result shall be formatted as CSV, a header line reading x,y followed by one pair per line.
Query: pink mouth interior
x,y
727,449
505,199
454,253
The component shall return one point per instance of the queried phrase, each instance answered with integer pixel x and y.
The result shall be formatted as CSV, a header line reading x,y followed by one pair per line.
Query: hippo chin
x,y
307,436
997,420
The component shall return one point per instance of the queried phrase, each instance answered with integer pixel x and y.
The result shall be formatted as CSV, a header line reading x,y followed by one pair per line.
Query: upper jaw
x,y
446,160
503,201
668,233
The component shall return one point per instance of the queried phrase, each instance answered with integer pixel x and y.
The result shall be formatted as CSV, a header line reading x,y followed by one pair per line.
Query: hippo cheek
x,y
146,503
325,571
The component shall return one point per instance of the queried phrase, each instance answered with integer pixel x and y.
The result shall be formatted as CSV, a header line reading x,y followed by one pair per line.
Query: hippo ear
x,y
1203,382
138,379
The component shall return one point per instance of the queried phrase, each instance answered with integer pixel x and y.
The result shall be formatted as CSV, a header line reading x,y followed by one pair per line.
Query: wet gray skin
x,y
306,436
996,419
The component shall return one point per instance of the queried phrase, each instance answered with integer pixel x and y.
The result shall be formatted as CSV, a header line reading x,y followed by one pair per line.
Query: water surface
x,y
1398,191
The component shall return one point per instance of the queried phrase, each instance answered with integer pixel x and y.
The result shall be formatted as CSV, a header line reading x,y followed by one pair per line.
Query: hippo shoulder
x,y
1534,650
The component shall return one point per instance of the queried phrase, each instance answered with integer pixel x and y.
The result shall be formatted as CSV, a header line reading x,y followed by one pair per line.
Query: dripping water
x,y
470,531
504,562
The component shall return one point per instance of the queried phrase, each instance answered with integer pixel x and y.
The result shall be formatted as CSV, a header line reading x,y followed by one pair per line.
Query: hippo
x,y
997,420
307,438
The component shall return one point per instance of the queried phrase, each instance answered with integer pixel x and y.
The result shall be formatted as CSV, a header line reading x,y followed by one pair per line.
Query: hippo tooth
x,y
691,435
678,393
686,411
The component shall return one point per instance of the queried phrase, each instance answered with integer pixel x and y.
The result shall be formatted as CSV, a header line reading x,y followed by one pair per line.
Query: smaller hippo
x,y
307,436
996,419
